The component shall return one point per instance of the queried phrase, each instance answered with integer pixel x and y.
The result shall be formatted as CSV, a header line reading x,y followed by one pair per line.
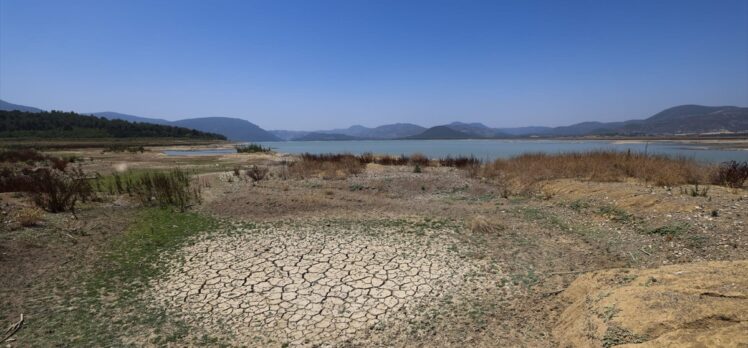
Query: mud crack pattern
x,y
307,287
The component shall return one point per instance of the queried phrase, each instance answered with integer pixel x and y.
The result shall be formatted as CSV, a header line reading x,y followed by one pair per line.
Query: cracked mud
x,y
300,285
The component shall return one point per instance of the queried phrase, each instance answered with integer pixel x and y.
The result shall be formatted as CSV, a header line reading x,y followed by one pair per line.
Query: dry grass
x,y
481,224
329,166
29,217
602,166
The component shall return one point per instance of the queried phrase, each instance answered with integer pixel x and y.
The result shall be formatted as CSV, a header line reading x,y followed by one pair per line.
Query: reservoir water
x,y
492,149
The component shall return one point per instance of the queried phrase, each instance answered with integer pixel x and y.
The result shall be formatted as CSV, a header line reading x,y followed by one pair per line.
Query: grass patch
x,y
544,217
616,335
108,304
614,213
670,230
579,205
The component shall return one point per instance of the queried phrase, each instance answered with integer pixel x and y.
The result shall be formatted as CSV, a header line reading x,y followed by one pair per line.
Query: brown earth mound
x,y
690,305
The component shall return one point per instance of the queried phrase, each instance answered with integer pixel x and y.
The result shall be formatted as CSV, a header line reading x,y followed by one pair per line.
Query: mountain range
x,y
683,119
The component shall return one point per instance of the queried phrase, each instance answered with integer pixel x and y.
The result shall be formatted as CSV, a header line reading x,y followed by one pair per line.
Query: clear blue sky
x,y
322,64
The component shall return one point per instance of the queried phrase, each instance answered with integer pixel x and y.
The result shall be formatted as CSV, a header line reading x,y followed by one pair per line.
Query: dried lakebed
x,y
319,283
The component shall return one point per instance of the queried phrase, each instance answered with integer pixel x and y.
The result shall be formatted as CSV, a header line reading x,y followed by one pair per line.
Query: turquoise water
x,y
488,149
492,149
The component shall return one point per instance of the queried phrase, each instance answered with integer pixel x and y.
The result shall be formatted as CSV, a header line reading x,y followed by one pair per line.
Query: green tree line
x,y
58,124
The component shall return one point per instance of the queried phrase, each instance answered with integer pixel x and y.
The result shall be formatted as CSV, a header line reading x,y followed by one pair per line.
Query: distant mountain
x,y
525,131
388,131
287,134
683,119
478,130
5,106
393,131
132,118
314,136
441,132
233,128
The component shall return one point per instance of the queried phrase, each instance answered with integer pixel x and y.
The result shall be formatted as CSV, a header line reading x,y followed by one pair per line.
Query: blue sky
x,y
323,64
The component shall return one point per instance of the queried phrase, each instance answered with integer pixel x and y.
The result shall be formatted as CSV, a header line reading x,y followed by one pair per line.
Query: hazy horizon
x,y
332,64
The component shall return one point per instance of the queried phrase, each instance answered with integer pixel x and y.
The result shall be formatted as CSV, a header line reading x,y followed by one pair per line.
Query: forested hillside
x,y
57,124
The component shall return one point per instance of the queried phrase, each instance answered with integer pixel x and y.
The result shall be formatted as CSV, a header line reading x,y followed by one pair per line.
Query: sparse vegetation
x,y
327,166
602,166
614,213
670,230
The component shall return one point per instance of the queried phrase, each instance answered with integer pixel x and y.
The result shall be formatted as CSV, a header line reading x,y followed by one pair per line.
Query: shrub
x,y
459,161
57,191
366,158
419,159
731,174
21,155
417,168
251,148
388,160
257,173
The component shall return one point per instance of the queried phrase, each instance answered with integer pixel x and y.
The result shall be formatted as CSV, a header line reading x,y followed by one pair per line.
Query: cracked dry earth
x,y
311,285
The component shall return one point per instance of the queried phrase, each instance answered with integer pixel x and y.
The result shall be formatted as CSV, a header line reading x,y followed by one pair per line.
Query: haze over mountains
x,y
684,119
